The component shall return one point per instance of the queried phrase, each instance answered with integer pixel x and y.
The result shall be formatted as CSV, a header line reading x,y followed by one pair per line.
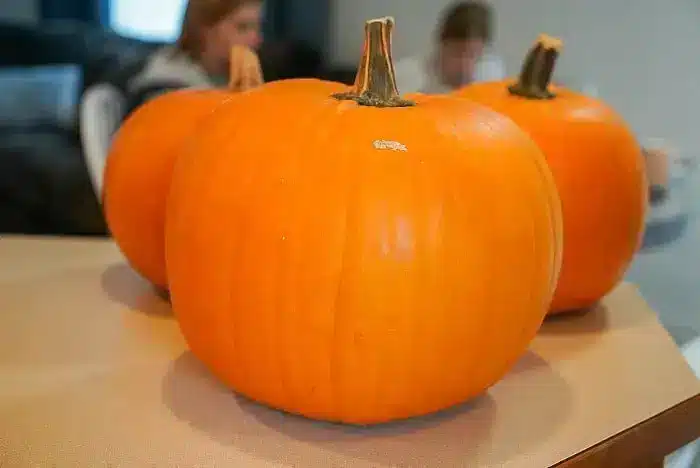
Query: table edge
x,y
645,443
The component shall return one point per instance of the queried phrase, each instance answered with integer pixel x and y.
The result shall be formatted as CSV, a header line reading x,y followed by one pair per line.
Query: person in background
x,y
460,55
200,57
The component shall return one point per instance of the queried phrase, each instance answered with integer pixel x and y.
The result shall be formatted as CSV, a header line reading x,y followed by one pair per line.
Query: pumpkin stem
x,y
537,70
245,71
375,83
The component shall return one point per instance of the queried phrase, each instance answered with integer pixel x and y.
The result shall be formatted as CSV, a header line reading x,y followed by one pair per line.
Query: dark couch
x,y
44,183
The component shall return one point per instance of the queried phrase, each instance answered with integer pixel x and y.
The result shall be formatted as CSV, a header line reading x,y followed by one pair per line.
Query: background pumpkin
x,y
360,257
141,159
597,165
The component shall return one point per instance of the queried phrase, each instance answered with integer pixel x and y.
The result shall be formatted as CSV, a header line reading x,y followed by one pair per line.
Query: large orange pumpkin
x,y
141,159
358,256
597,165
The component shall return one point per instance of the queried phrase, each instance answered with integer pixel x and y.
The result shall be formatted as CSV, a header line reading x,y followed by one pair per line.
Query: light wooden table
x,y
94,372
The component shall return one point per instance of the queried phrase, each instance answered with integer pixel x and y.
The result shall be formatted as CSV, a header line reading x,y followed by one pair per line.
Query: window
x,y
150,20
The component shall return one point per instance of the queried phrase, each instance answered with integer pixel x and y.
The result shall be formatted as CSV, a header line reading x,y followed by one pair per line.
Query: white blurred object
x,y
101,112
681,168
154,20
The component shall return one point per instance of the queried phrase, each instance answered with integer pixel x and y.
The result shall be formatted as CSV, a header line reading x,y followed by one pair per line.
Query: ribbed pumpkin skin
x,y
360,264
599,171
139,169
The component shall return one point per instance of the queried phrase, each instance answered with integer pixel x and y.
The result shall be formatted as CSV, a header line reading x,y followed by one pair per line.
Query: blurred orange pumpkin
x,y
358,256
141,159
597,165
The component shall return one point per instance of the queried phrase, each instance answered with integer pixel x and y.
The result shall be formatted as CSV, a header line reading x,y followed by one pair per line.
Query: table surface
x,y
93,370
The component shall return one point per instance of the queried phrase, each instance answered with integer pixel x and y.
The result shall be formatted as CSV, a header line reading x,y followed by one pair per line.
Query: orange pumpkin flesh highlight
x,y
355,258
597,165
141,160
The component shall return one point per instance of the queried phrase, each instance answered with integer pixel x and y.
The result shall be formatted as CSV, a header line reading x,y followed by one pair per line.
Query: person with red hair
x,y
200,57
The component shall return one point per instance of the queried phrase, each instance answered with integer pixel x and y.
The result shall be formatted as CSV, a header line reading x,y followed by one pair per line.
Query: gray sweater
x,y
168,68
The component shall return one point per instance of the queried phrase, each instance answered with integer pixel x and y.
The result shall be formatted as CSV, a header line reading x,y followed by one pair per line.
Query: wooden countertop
x,y
94,371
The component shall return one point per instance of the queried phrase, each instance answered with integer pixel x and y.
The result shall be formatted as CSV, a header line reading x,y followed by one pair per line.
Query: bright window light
x,y
151,20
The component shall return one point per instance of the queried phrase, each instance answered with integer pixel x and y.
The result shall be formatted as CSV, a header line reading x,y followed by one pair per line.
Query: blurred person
x,y
460,55
200,57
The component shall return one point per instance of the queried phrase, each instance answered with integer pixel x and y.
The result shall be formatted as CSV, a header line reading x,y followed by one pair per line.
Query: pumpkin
x,y
597,165
141,159
351,255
